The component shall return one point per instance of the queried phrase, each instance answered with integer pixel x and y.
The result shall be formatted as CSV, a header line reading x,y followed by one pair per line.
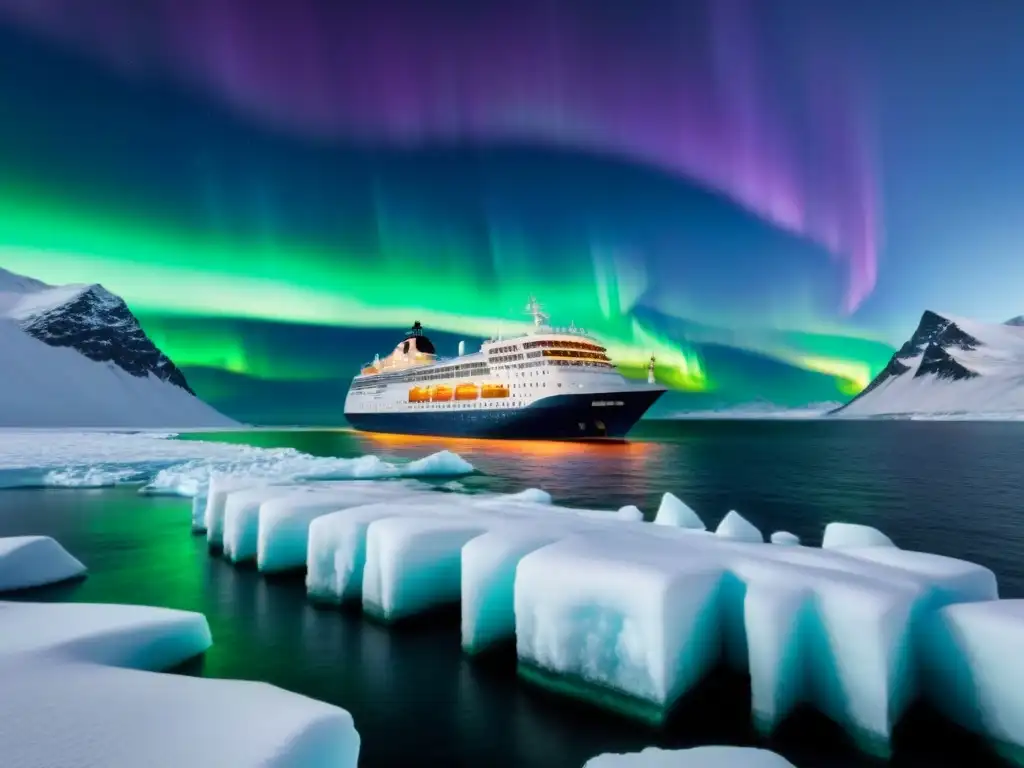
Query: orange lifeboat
x,y
442,394
467,392
419,395
494,390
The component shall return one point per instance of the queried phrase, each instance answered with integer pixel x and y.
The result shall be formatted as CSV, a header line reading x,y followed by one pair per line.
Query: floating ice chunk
x,y
841,535
735,526
699,757
283,536
116,635
630,512
91,477
32,561
673,511
241,519
88,715
216,497
199,513
785,539
440,464
604,619
533,495
975,678
415,564
488,583
54,663
337,552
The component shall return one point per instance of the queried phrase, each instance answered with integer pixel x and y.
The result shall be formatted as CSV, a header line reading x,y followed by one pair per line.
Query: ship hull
x,y
559,417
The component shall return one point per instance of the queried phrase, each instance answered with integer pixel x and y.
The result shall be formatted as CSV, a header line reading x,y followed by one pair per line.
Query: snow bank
x,y
674,512
33,561
842,535
73,670
414,564
735,526
699,757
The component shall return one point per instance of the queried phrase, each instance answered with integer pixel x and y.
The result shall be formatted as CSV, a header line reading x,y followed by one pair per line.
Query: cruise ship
x,y
548,384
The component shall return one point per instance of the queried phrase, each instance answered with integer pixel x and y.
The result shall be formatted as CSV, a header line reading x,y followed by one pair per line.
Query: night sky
x,y
764,195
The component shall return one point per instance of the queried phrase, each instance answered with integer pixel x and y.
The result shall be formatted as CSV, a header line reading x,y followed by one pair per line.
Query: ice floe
x,y
34,561
42,458
80,688
698,757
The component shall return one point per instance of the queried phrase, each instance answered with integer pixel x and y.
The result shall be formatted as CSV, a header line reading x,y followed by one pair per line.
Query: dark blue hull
x,y
560,417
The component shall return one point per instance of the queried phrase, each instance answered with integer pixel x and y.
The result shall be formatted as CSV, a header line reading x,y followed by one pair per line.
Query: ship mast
x,y
534,309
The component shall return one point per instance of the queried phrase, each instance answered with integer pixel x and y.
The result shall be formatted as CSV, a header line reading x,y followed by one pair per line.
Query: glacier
x,y
88,673
698,757
35,561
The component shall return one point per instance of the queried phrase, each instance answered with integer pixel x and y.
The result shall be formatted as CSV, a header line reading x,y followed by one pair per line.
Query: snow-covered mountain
x,y
950,366
76,356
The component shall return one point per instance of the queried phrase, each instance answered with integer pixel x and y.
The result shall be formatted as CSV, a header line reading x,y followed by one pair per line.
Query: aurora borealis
x,y
274,188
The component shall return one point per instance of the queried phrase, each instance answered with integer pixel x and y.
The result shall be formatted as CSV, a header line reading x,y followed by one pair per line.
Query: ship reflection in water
x,y
512,465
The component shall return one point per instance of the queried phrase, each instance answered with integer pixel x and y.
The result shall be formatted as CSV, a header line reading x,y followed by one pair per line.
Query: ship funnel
x,y
462,348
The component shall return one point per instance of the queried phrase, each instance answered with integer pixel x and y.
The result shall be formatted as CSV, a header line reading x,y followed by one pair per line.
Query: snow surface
x,y
76,693
674,512
33,561
995,393
699,757
844,535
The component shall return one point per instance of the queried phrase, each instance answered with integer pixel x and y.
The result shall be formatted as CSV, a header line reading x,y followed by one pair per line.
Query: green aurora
x,y
191,288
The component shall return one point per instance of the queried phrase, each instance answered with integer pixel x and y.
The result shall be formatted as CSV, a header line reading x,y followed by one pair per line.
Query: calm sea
x,y
951,488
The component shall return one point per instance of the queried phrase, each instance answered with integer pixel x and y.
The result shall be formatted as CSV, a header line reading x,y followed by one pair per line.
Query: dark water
x,y
952,488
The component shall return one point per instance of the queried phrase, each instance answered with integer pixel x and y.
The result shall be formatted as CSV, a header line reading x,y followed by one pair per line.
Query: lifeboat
x,y
441,394
419,395
494,390
467,392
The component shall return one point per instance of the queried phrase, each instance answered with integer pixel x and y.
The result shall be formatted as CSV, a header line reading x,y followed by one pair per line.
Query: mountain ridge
x,y
949,365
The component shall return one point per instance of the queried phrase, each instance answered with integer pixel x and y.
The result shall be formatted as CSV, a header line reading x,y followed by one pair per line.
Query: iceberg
x,y
217,491
735,526
698,757
240,527
34,561
842,535
88,673
673,511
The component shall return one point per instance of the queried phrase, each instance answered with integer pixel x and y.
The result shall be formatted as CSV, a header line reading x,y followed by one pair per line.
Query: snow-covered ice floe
x,y
34,561
43,458
79,688
699,757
